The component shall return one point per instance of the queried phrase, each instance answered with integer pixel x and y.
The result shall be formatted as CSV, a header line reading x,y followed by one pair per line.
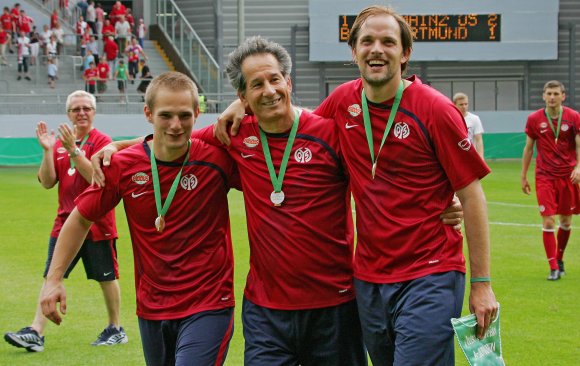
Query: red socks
x,y
550,247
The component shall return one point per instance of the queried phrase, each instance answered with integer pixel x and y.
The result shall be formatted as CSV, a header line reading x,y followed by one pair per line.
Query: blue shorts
x,y
409,323
99,259
199,339
328,336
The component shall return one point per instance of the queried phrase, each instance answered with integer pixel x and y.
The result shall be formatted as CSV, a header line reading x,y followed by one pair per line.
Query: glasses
x,y
79,109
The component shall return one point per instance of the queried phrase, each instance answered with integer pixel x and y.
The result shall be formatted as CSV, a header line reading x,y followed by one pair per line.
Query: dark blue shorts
x,y
99,259
199,339
316,337
409,323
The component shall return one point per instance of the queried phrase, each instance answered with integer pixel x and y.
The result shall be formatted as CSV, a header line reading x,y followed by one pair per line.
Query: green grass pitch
x,y
539,320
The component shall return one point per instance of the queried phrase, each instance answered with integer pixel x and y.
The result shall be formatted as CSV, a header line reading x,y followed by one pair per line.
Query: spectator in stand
x,y
93,46
91,75
15,14
116,13
52,72
52,49
145,77
129,17
44,39
83,6
141,30
104,74
58,32
110,49
34,47
122,75
6,20
134,53
123,31
92,17
100,13
53,18
4,40
108,29
80,29
25,23
89,57
23,56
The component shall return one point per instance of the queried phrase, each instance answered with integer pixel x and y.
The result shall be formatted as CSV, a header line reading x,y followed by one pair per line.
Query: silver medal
x,y
277,198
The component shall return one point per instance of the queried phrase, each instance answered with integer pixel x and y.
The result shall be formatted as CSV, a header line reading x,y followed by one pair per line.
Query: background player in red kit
x,y
174,192
556,130
66,162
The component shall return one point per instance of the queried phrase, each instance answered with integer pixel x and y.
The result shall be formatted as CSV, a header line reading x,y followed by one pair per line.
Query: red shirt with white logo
x,y
91,76
70,186
24,22
554,160
6,21
300,252
427,156
103,69
187,268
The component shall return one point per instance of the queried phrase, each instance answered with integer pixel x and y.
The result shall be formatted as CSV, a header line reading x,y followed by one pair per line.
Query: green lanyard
x,y
369,130
162,209
72,169
277,196
556,131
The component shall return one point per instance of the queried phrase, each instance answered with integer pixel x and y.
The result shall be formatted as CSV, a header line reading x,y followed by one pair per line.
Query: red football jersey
x,y
426,157
300,252
554,160
188,267
70,186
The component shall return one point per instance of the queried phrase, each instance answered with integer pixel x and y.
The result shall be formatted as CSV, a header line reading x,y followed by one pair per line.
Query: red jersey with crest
x,y
427,156
554,160
70,186
188,267
300,252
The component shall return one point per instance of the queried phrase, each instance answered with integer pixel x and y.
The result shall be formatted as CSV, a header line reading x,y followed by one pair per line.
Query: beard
x,y
378,80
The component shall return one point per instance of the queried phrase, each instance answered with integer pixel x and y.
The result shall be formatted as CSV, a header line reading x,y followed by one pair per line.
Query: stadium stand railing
x,y
189,46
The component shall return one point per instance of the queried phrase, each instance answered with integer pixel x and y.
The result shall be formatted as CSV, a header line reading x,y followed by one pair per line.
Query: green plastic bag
x,y
479,352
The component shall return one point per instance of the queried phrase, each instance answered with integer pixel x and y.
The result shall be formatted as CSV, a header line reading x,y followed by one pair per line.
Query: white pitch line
x,y
511,204
514,224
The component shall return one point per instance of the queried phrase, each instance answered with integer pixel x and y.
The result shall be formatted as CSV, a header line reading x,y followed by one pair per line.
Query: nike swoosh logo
x,y
349,126
135,195
542,131
106,274
62,157
246,156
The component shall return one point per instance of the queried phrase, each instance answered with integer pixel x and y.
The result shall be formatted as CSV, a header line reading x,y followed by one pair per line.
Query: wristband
x,y
480,279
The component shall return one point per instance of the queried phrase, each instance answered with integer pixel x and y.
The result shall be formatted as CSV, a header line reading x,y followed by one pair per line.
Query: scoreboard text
x,y
442,27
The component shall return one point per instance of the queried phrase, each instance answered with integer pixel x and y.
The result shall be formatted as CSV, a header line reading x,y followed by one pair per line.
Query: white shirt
x,y
474,126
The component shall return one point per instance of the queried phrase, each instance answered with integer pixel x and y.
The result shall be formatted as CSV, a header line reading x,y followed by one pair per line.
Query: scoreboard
x,y
447,30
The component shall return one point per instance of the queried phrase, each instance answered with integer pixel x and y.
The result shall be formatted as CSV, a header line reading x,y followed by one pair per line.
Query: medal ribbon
x,y
72,163
556,131
369,130
162,209
277,180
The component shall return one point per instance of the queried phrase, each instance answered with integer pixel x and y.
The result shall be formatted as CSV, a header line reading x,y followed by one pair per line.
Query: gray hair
x,y
255,46
78,94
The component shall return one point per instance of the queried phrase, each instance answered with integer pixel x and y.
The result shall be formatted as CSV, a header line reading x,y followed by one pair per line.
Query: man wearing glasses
x,y
66,161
